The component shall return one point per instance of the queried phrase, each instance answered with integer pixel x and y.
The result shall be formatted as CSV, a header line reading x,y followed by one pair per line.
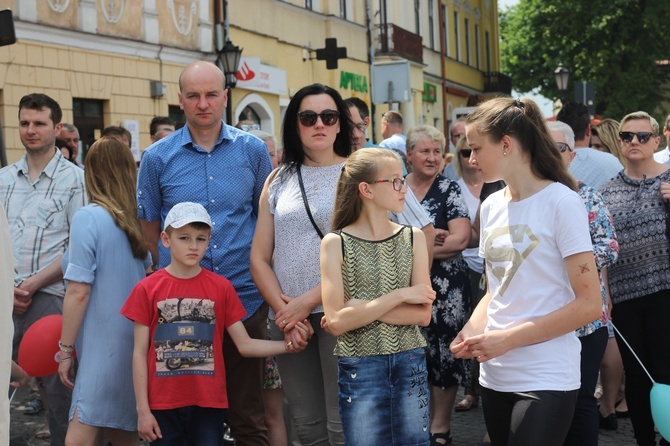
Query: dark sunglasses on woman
x,y
308,118
465,153
643,137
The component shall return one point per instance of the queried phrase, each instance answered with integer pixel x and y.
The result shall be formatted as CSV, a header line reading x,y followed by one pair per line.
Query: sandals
x,y
34,407
467,404
43,433
441,436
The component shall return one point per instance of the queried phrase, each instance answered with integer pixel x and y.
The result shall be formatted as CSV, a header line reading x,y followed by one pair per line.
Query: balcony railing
x,y
394,40
495,82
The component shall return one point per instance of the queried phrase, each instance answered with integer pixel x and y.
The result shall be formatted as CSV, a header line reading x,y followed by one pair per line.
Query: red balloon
x,y
39,346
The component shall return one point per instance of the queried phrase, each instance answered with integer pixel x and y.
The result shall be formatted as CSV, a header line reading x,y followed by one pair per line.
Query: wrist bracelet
x,y
61,345
59,358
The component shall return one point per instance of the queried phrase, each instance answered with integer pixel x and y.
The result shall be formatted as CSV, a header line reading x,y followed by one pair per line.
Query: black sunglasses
x,y
563,146
328,117
643,137
465,153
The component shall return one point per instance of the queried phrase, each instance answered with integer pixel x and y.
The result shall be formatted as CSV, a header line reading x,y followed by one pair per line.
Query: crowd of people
x,y
350,286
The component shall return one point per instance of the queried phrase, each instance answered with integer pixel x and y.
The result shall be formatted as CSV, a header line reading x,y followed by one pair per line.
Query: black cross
x,y
331,53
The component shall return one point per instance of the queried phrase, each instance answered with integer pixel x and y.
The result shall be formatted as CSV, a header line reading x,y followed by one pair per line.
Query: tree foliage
x,y
616,44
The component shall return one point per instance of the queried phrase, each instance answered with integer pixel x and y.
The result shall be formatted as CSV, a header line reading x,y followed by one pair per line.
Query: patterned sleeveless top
x,y
371,269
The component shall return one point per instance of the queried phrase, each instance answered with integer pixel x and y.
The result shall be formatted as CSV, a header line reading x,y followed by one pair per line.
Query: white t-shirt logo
x,y
506,249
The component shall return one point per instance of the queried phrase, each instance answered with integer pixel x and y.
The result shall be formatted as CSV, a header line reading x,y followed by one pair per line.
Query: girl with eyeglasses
x,y
639,281
541,275
443,200
376,291
296,209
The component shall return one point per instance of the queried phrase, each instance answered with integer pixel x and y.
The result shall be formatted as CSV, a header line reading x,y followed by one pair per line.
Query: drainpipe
x,y
371,60
443,70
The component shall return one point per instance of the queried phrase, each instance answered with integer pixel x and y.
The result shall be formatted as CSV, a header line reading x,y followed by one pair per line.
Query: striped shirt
x,y
39,214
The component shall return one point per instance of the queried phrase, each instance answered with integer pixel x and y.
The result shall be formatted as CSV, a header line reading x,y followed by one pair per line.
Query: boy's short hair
x,y
198,225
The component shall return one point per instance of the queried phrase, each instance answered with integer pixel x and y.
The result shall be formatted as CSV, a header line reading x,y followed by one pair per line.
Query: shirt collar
x,y
187,140
49,170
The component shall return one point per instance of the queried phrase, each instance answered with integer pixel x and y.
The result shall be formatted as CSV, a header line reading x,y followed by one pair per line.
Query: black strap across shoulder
x,y
304,200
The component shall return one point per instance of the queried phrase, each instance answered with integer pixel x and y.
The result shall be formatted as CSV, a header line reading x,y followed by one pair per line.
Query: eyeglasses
x,y
328,117
643,137
362,126
563,147
398,183
248,128
465,153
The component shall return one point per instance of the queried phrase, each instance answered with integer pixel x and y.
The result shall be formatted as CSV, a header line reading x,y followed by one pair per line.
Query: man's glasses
x,y
643,137
398,183
563,147
308,118
465,153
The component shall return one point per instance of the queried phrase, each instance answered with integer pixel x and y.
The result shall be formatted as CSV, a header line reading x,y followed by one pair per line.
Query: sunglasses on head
x,y
465,153
308,118
563,147
642,137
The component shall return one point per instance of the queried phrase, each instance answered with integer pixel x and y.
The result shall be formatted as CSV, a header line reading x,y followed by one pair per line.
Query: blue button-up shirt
x,y
227,181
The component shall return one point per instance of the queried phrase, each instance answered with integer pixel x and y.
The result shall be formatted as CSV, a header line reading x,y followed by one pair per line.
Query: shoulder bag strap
x,y
304,200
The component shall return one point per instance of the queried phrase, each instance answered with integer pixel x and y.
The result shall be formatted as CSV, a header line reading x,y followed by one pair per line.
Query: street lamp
x,y
229,57
562,75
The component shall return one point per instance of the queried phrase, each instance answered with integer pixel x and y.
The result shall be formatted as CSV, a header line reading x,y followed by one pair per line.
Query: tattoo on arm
x,y
584,267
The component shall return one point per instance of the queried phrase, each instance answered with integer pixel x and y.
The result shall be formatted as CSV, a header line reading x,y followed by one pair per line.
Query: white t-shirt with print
x,y
524,244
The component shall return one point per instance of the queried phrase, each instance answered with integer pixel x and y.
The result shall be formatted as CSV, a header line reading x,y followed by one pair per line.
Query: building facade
x,y
117,62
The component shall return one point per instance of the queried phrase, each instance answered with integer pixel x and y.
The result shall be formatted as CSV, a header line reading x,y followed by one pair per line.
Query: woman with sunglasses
x,y
443,200
640,280
542,282
296,209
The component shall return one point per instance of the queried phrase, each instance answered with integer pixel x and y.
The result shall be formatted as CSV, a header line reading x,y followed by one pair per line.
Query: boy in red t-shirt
x,y
180,314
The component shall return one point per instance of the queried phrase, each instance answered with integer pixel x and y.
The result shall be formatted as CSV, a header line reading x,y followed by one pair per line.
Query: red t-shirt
x,y
187,318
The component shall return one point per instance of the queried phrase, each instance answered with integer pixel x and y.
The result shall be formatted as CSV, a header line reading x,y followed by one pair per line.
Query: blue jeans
x,y
199,426
384,399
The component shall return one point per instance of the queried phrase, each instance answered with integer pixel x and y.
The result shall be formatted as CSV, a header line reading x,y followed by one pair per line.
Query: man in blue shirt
x,y
223,169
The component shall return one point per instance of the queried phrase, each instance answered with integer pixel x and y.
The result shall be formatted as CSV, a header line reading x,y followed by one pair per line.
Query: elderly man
x,y
224,169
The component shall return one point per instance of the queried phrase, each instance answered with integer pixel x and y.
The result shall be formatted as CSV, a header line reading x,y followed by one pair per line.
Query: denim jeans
x,y
199,426
384,399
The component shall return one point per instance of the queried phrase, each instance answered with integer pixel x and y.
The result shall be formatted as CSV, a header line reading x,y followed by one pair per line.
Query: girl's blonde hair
x,y
362,166
111,176
523,120
458,165
608,132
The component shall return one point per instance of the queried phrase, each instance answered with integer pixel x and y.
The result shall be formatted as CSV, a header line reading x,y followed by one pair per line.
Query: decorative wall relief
x,y
112,10
59,6
182,14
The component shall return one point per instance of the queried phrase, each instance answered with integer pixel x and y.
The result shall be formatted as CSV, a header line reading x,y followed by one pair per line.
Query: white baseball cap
x,y
187,212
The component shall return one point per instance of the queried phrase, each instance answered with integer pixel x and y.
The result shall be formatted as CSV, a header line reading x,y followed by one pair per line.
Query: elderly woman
x,y
593,336
296,209
103,263
605,137
640,280
443,200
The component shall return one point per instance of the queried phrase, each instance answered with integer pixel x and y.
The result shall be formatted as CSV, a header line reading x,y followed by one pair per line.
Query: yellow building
x,y
117,62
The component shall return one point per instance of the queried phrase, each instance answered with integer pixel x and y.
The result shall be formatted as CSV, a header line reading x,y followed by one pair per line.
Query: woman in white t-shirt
x,y
542,279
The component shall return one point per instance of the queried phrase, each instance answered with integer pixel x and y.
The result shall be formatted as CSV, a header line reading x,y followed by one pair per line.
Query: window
x,y
308,4
177,115
488,51
431,24
88,116
344,9
458,38
383,18
446,30
477,47
467,41
417,16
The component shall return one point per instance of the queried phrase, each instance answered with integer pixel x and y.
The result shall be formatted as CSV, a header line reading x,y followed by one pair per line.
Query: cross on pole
x,y
331,53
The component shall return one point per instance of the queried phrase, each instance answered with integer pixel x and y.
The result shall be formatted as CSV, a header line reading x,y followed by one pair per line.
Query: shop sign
x,y
253,75
429,92
353,81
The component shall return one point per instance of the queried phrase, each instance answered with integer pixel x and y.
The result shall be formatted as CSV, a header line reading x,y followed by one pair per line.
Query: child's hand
x,y
147,427
306,330
20,377
418,294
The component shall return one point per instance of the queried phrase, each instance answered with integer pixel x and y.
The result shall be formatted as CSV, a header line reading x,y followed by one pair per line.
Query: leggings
x,y
534,418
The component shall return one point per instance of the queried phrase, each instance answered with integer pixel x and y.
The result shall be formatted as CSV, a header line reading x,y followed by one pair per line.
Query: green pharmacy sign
x,y
353,81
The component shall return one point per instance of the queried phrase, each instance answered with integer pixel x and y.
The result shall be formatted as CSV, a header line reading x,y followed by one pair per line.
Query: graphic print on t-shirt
x,y
506,249
184,337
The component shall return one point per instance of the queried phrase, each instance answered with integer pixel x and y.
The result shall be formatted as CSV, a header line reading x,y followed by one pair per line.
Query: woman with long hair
x,y
640,280
443,200
107,256
376,291
296,209
605,137
541,275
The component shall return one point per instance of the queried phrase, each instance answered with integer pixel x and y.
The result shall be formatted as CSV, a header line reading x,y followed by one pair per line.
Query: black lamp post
x,y
229,57
562,75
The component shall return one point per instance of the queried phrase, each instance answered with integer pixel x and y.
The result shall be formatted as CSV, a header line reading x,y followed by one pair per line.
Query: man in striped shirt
x,y
41,193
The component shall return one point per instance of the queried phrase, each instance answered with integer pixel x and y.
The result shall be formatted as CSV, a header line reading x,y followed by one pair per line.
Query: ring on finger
x,y
289,343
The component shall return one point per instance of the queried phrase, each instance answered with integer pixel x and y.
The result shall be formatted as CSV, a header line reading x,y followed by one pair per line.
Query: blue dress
x,y
99,254
451,281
